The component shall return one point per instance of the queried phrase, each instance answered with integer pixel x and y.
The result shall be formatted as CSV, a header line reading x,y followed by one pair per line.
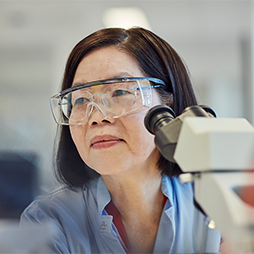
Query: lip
x,y
104,141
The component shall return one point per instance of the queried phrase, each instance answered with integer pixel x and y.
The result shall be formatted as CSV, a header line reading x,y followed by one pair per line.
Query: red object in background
x,y
248,194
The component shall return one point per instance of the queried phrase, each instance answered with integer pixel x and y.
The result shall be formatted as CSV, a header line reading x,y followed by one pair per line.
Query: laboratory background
x,y
214,38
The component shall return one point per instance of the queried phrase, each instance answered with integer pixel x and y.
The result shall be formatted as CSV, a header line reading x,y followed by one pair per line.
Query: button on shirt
x,y
83,225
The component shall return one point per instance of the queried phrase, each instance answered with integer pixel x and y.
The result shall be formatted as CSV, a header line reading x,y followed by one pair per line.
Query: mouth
x,y
104,141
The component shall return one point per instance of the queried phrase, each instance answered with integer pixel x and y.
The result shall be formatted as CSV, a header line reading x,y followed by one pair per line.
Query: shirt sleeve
x,y
56,242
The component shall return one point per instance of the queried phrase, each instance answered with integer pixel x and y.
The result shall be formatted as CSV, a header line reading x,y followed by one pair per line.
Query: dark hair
x,y
156,58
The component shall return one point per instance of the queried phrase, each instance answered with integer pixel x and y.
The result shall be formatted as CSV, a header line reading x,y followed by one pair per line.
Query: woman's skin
x,y
122,151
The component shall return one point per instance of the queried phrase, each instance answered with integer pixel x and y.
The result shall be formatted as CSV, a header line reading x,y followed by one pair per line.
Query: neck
x,y
134,188
139,200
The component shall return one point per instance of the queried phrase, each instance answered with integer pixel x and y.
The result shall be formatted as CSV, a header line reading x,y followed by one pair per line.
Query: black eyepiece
x,y
157,117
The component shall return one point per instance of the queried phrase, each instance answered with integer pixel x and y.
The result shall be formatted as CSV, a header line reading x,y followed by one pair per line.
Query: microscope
x,y
217,154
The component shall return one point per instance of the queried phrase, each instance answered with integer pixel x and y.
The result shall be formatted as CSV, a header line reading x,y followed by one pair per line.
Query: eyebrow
x,y
118,75
121,75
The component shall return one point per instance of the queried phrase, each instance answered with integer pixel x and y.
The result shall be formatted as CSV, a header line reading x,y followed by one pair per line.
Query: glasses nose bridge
x,y
98,97
90,108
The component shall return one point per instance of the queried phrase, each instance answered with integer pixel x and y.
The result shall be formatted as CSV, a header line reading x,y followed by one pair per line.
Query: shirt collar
x,y
103,196
167,188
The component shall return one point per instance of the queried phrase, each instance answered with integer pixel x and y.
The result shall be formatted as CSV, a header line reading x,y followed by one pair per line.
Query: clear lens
x,y
77,105
119,98
110,98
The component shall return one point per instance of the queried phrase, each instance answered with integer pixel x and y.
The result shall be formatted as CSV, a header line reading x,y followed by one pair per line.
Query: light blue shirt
x,y
83,225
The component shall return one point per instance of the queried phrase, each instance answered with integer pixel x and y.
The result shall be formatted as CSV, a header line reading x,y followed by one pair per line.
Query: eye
x,y
80,100
120,92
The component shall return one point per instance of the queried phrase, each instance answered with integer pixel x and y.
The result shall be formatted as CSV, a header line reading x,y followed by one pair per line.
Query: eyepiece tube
x,y
163,123
157,117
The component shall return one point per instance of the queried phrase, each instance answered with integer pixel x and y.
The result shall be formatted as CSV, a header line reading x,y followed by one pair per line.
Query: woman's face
x,y
112,145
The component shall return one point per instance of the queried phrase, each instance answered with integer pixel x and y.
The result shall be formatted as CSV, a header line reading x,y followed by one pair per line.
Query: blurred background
x,y
214,38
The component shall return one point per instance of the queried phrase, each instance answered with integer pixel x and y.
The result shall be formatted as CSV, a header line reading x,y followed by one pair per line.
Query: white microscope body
x,y
218,155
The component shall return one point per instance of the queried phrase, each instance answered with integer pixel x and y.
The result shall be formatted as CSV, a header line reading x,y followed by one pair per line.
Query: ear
x,y
170,101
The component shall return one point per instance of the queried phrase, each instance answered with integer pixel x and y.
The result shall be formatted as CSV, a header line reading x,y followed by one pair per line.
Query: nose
x,y
96,115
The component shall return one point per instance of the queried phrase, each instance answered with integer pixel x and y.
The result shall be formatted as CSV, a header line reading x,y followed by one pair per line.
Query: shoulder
x,y
62,202
65,209
60,195
48,204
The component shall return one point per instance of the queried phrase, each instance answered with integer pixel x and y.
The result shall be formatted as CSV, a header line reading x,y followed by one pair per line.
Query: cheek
x,y
78,137
145,143
142,140
74,133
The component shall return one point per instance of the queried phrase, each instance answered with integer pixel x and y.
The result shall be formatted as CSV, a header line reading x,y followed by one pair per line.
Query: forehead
x,y
106,63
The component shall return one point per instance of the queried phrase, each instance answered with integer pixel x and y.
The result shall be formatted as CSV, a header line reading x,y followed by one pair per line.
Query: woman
x,y
120,194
